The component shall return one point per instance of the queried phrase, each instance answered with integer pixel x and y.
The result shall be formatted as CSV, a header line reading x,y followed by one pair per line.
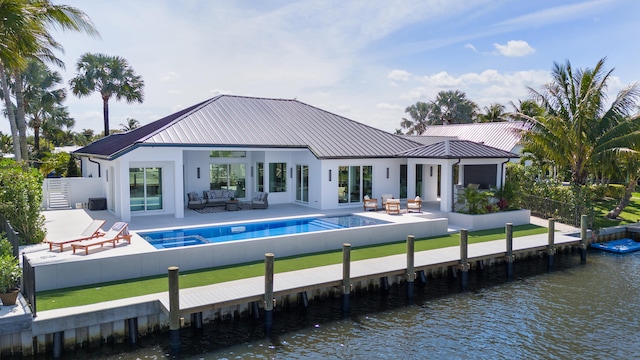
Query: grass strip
x,y
91,294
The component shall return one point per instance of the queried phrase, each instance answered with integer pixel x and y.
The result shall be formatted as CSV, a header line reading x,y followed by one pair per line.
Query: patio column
x,y
446,186
411,179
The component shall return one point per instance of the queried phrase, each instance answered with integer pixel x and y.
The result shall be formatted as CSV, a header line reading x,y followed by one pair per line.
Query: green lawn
x,y
69,297
631,213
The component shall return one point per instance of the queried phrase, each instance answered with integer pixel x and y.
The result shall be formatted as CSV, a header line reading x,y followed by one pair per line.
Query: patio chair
x,y
92,231
260,201
414,205
370,204
385,197
393,206
195,201
119,231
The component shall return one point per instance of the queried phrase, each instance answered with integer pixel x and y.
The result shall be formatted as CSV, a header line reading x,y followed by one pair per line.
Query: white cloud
x,y
386,106
486,87
401,75
216,92
469,46
170,76
515,48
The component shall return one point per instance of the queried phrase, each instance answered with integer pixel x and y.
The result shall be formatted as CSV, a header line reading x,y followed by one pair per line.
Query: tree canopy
x,y
111,76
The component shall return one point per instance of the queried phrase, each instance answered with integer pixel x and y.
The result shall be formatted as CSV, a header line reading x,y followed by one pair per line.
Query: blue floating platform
x,y
621,246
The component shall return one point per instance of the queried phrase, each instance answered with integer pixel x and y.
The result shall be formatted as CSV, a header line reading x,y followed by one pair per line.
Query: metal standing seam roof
x,y
457,149
237,121
502,135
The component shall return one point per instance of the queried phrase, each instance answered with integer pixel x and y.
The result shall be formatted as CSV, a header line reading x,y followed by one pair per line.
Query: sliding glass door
x,y
302,183
145,189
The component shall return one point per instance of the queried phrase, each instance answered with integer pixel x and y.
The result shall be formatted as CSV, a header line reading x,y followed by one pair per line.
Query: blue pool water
x,y
214,234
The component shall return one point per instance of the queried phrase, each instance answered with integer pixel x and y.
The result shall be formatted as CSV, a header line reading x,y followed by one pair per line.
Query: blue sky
x,y
365,60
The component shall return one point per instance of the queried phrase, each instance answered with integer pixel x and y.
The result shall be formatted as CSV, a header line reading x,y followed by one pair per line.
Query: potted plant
x,y
10,273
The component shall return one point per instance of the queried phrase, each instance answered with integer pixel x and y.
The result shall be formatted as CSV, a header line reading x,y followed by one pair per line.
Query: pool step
x,y
325,225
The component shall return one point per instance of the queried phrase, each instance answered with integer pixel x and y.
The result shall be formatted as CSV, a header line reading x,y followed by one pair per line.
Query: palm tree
x,y
130,125
40,97
52,128
576,129
110,76
5,143
453,107
493,113
25,35
419,113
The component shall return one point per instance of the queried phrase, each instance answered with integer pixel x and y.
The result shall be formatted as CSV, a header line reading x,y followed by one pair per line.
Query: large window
x,y
228,177
277,177
419,179
353,183
302,183
145,189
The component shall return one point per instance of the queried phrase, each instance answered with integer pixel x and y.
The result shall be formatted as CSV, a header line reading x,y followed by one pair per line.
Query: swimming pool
x,y
173,238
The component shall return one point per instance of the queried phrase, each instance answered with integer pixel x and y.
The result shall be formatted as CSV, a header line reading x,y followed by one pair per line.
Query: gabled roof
x,y
502,135
456,149
237,121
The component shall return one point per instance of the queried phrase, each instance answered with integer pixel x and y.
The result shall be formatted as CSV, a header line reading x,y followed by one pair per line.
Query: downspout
x,y
503,172
95,162
453,187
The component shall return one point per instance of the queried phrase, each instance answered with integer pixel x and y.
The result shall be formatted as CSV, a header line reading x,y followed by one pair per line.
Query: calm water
x,y
573,312
166,239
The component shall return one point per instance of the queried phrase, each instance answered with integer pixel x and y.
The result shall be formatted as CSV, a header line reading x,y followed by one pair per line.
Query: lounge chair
x,y
119,231
91,232
393,206
414,205
370,204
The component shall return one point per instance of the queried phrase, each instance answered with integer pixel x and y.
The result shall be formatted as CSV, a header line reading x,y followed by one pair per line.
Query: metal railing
x,y
12,236
28,288
566,213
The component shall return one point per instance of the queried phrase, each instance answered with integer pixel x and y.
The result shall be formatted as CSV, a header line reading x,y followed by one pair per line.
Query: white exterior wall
x,y
381,184
179,173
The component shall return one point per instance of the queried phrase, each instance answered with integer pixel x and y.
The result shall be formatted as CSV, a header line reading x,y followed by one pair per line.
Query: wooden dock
x,y
246,291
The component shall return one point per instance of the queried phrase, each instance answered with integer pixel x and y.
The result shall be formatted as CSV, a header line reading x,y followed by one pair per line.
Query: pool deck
x,y
61,223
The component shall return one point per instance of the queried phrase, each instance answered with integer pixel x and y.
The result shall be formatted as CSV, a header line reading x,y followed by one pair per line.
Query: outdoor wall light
x,y
198,172
431,171
290,173
387,173
252,171
329,175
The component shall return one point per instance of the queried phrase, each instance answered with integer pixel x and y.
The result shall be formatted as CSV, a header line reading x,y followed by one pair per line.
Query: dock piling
x,y
196,320
174,310
509,238
268,292
411,272
583,239
132,328
464,258
346,277
551,248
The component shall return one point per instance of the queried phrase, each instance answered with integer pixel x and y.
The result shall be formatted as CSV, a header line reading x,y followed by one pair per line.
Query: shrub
x,y
5,245
20,200
615,191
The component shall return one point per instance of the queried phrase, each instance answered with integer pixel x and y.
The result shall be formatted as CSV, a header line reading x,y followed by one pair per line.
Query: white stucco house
x,y
295,152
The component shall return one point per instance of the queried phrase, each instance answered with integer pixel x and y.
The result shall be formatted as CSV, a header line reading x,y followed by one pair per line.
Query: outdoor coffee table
x,y
231,205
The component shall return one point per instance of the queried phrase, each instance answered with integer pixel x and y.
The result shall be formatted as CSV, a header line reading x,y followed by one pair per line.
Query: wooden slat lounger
x,y
117,232
91,232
